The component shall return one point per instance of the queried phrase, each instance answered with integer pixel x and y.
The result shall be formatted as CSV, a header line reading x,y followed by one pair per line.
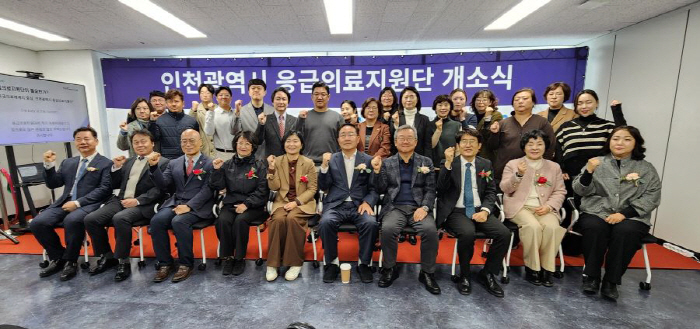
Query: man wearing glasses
x,y
320,126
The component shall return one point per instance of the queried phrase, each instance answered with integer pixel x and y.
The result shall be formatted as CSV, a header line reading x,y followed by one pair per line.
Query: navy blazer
x,y
449,186
146,192
388,182
94,187
335,182
192,190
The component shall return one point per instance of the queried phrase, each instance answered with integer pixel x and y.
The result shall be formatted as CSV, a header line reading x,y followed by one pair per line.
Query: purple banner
x,y
349,77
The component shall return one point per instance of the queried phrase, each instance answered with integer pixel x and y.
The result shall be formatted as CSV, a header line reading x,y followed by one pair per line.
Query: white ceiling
x,y
264,26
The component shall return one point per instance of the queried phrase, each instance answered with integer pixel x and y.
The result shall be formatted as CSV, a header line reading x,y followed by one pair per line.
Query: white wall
x,y
653,69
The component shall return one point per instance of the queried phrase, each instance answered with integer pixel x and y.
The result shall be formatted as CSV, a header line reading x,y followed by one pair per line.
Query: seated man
x,y
408,182
345,176
191,202
138,193
473,207
86,183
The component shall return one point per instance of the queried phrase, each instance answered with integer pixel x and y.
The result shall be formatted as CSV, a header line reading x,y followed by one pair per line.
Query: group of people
x,y
388,168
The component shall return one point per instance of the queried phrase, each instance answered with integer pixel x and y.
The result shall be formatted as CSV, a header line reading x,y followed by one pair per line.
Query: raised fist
x,y
217,163
303,114
615,102
154,116
49,156
262,118
386,116
495,127
271,162
153,158
522,167
195,105
449,154
326,159
119,161
376,163
438,124
592,164
489,110
238,105
395,118
209,106
123,126
353,118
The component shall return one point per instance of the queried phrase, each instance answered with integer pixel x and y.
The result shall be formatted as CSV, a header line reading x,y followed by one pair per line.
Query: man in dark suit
x,y
86,183
138,193
191,202
467,202
273,127
345,176
408,181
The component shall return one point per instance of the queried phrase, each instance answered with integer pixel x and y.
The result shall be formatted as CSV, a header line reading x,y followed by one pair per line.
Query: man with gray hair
x,y
407,180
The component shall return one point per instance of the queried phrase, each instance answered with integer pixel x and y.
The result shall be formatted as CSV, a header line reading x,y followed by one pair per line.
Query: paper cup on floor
x,y
345,272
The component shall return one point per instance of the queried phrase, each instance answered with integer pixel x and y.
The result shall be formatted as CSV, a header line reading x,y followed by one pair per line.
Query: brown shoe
x,y
163,273
183,272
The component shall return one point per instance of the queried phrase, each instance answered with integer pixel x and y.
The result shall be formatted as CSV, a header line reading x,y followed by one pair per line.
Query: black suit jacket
x,y
147,192
94,187
421,123
449,186
335,182
269,134
388,182
192,190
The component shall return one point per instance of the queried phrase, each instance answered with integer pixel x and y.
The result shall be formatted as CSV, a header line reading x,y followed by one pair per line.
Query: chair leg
x,y
455,278
560,273
646,285
259,261
203,266
313,245
381,257
506,261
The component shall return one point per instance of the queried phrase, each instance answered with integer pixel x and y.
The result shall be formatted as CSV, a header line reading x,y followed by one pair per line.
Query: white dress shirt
x,y
349,169
49,165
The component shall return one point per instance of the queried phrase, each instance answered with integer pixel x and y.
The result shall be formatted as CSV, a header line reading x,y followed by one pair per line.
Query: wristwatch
x,y
426,208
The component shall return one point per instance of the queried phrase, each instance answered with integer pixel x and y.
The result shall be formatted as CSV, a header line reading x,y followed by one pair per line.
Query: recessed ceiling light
x,y
160,15
21,28
515,14
339,16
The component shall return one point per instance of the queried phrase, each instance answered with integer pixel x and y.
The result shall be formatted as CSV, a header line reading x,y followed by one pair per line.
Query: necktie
x,y
81,171
281,124
468,192
190,164
140,158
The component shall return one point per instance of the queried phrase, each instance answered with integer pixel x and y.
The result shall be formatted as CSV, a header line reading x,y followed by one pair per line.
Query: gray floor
x,y
209,300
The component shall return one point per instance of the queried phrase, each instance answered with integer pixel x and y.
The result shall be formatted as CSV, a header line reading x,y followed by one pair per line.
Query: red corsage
x,y
251,174
486,175
304,179
198,171
543,181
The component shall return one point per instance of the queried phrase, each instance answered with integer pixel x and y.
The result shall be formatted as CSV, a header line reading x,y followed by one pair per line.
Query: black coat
x,y
245,181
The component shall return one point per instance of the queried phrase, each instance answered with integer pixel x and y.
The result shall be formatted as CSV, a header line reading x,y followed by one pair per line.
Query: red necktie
x,y
190,164
281,121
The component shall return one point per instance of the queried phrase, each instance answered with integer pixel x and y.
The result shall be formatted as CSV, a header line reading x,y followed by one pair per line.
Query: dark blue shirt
x,y
405,196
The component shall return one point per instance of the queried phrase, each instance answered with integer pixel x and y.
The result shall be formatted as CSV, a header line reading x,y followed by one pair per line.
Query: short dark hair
x,y
534,134
136,103
142,132
365,104
639,149
281,89
525,90
209,87
294,133
320,84
156,93
222,88
441,99
584,92
486,93
257,82
90,129
394,104
351,103
469,131
247,135
172,93
564,87
415,91
354,127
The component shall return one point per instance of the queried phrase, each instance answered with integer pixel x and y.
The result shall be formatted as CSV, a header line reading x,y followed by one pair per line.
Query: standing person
x,y
320,123
375,138
217,123
348,109
141,110
459,111
407,180
409,114
504,137
86,184
484,106
389,104
246,116
619,192
186,177
157,100
443,128
138,193
244,179
473,208
350,198
294,178
274,127
199,112
168,127
556,94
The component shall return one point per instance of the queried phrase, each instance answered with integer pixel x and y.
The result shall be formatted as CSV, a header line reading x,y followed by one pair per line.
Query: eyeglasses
x,y
405,139
482,100
348,135
468,142
244,144
188,141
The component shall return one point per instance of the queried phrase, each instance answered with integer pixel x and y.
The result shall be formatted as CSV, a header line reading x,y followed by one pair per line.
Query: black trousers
x,y
346,212
166,219
43,227
621,241
233,230
114,214
465,230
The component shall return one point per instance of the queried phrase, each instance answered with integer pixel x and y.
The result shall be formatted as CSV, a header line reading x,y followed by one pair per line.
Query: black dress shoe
x,y
389,274
590,285
54,267
227,267
489,281
609,291
412,240
69,271
330,273
238,266
123,272
428,280
546,278
102,265
365,273
465,285
532,276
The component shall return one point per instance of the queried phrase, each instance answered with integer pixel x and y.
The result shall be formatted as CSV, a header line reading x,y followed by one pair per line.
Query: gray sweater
x,y
607,193
320,131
